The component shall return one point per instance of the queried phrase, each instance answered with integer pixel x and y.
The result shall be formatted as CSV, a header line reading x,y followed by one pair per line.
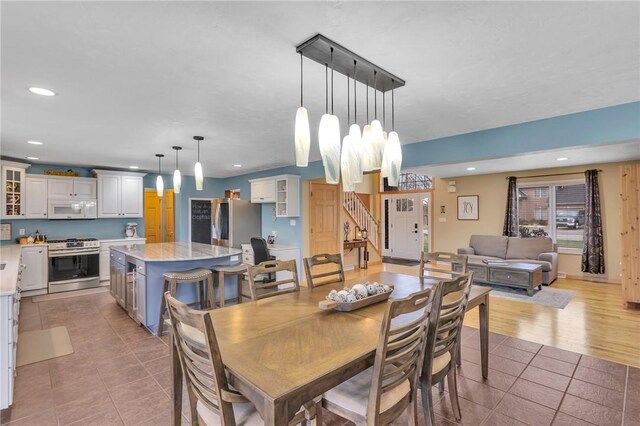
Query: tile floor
x,y
119,374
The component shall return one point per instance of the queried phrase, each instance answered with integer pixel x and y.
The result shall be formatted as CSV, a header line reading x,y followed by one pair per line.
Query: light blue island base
x,y
145,265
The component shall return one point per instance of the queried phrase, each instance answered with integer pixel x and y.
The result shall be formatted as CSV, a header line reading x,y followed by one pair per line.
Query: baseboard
x,y
594,279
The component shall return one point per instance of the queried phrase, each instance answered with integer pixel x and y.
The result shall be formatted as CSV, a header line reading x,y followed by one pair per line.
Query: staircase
x,y
362,217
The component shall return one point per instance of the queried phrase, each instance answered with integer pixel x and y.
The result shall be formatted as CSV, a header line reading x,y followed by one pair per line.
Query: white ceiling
x,y
135,78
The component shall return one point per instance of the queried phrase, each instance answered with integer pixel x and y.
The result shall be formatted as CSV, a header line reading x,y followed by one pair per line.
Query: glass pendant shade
x,y
392,162
199,176
329,141
377,144
159,186
302,138
177,181
366,151
346,164
356,144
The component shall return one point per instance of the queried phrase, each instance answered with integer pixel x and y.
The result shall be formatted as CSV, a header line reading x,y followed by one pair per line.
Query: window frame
x,y
552,210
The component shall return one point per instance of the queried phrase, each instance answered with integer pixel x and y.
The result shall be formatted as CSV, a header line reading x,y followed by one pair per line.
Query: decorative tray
x,y
359,296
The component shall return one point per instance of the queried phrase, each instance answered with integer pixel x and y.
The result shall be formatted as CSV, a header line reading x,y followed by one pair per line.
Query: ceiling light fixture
x,y
237,166
198,167
471,168
42,91
159,181
34,142
361,152
177,179
302,135
392,155
134,167
562,159
32,158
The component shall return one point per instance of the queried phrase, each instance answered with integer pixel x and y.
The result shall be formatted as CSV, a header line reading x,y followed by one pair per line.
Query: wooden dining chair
x,y
261,289
441,361
380,394
442,265
330,276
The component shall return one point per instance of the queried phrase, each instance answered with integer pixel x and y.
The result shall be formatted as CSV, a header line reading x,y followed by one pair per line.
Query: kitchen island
x,y
136,271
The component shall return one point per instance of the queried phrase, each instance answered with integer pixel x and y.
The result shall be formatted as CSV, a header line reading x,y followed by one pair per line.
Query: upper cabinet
x,y
283,190
120,194
13,189
36,197
66,188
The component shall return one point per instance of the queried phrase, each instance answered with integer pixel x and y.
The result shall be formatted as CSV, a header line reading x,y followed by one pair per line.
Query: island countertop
x,y
176,251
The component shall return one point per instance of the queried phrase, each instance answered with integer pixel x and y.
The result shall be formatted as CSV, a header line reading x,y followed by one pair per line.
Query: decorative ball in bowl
x,y
358,296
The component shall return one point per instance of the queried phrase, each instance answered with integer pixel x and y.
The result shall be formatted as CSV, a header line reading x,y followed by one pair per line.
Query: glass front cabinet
x,y
13,189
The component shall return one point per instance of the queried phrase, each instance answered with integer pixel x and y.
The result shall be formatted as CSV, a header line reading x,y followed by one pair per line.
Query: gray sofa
x,y
540,251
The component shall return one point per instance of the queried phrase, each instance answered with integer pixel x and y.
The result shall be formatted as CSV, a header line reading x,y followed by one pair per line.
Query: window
x,y
538,205
409,182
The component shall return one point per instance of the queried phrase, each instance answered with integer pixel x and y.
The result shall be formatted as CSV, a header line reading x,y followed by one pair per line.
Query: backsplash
x,y
101,229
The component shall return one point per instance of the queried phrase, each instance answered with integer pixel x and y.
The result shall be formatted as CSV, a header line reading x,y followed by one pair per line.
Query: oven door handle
x,y
73,253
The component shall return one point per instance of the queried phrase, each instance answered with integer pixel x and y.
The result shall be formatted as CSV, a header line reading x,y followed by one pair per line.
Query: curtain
x,y
510,228
593,249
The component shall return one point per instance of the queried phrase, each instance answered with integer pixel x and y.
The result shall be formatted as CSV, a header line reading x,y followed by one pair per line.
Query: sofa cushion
x,y
528,248
489,245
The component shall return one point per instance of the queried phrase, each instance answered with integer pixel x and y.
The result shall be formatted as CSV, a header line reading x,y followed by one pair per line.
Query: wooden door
x,y
152,216
325,218
169,218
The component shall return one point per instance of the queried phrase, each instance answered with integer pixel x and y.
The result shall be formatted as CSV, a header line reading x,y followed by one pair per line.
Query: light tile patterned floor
x,y
119,374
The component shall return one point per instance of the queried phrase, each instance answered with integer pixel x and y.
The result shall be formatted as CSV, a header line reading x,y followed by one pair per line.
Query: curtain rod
x,y
552,174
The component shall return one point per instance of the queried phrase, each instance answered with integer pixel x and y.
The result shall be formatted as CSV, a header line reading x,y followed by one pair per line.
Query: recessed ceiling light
x,y
237,165
133,167
32,158
471,168
34,142
562,159
42,91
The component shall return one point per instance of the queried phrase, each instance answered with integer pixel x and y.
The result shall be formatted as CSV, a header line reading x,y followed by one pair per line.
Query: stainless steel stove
x,y
74,264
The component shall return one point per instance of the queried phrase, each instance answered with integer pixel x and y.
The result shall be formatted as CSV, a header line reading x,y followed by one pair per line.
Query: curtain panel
x,y
510,228
593,249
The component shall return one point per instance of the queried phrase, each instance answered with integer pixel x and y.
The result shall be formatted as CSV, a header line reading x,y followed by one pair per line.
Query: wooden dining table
x,y
282,352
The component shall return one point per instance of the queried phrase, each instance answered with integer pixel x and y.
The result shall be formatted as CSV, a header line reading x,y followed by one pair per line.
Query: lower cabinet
x,y
140,297
105,249
35,261
9,310
118,281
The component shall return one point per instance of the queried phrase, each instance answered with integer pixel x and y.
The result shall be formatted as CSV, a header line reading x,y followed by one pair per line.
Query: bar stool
x,y
238,270
202,277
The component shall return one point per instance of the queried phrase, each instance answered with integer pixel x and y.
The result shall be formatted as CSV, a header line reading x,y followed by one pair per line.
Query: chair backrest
x,y
443,265
260,250
332,275
262,289
204,373
447,331
400,353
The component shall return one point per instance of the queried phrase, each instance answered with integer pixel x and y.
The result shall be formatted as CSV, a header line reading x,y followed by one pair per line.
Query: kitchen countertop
x,y
177,251
9,254
123,239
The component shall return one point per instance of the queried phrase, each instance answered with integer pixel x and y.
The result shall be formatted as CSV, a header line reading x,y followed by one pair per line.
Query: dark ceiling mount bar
x,y
319,47
552,174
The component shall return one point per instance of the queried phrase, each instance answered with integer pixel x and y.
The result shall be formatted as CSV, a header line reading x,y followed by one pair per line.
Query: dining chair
x,y
380,394
442,360
263,289
442,265
331,276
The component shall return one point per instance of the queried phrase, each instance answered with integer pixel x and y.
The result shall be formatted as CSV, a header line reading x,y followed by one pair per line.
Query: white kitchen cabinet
x,y
140,295
105,257
279,252
71,187
263,191
36,197
13,189
35,269
120,194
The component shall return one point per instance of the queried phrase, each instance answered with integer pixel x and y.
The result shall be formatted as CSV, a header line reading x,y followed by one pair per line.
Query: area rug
x,y
67,294
404,262
40,345
548,296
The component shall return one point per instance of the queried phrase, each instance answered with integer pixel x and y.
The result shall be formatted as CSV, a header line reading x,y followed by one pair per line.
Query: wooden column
x,y
630,235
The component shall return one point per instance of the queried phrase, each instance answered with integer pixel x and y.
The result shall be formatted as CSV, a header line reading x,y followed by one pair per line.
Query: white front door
x,y
403,226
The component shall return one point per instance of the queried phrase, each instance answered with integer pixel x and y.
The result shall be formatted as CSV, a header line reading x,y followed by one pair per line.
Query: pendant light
x,y
198,167
177,179
329,138
392,158
347,157
366,151
302,135
377,138
159,182
354,134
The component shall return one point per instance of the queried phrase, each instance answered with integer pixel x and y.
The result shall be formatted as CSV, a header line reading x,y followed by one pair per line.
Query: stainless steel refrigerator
x,y
235,222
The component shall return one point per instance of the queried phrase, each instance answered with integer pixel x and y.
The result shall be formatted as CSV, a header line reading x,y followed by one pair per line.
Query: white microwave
x,y
73,209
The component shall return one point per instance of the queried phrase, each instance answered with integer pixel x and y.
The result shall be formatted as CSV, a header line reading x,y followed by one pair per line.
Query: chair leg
x,y
427,403
452,381
441,386
162,309
211,296
239,288
221,289
203,300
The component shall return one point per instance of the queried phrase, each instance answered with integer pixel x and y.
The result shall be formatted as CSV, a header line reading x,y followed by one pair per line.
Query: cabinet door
x,y
59,188
263,191
36,197
140,297
105,264
131,196
113,279
108,196
122,286
13,181
84,188
34,276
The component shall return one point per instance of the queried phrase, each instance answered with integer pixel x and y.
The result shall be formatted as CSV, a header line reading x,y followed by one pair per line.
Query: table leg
x,y
176,388
484,335
366,257
221,288
359,258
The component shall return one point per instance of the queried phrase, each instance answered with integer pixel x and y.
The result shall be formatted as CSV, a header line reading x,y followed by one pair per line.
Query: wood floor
x,y
594,323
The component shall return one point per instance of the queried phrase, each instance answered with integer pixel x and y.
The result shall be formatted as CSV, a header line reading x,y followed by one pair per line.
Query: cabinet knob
x,y
75,195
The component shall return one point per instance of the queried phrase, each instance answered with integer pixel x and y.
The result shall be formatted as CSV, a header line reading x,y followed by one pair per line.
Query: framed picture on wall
x,y
468,207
